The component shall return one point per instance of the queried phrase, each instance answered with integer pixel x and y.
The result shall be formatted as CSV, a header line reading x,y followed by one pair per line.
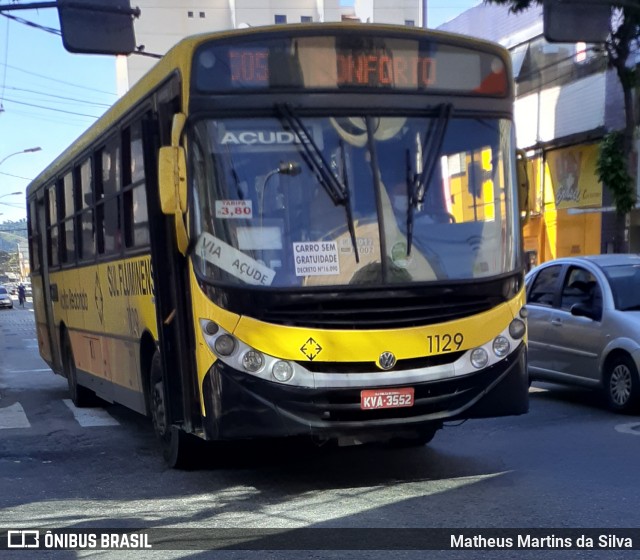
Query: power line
x,y
51,109
75,100
59,81
15,176
31,24
66,121
6,57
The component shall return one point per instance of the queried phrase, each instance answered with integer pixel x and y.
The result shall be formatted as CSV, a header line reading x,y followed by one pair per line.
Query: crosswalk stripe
x,y
89,417
13,417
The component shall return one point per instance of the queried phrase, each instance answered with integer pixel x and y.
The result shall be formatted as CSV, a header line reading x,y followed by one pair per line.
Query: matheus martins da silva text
x,y
548,541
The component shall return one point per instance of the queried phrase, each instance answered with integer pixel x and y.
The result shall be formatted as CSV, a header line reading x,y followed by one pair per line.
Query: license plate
x,y
372,399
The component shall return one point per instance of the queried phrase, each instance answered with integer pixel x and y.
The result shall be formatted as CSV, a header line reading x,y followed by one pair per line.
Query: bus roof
x,y
178,60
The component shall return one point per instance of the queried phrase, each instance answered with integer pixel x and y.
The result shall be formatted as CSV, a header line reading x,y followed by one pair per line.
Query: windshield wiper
x,y
336,188
428,153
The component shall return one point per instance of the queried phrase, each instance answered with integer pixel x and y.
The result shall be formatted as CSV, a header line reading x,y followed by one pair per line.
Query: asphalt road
x,y
569,463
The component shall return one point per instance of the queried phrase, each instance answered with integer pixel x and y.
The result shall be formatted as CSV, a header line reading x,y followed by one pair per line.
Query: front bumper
x,y
240,406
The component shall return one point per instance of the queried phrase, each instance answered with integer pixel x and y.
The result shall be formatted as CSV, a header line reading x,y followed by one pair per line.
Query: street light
x,y
11,194
28,150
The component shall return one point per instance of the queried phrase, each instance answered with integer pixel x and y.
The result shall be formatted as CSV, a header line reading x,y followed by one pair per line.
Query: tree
x,y
616,166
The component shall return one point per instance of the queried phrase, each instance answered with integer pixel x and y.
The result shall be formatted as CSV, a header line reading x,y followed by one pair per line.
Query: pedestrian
x,y
21,295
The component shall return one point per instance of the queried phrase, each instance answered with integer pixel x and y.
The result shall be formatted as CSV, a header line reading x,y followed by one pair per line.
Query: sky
x,y
48,96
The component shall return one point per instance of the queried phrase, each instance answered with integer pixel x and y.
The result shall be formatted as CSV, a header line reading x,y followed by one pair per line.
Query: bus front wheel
x,y
80,396
178,447
421,439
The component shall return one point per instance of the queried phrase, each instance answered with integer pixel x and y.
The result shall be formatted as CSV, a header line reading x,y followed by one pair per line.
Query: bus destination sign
x,y
340,63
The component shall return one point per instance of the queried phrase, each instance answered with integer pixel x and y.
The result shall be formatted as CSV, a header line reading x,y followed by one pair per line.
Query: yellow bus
x,y
301,230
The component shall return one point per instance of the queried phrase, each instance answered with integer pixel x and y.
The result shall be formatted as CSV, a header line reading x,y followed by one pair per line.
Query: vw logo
x,y
387,360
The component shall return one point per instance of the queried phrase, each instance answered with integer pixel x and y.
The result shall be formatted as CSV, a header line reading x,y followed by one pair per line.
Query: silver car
x,y
584,325
5,298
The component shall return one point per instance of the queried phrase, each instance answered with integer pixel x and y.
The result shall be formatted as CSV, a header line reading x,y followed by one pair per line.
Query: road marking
x,y
632,428
89,417
13,417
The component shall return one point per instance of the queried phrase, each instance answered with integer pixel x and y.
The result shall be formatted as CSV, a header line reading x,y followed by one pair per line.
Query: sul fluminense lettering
x,y
130,279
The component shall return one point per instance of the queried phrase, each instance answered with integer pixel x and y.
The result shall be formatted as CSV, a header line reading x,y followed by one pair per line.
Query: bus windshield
x,y
327,203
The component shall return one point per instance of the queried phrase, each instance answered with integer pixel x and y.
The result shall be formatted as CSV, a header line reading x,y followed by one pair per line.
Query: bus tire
x,y
423,438
178,447
80,396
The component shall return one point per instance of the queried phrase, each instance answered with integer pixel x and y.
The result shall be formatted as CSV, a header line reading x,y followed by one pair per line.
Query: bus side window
x,y
34,237
109,204
136,219
67,228
52,225
86,222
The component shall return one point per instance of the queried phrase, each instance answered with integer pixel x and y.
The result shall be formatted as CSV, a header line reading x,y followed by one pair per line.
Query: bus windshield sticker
x,y
316,258
236,263
272,138
366,246
234,209
259,238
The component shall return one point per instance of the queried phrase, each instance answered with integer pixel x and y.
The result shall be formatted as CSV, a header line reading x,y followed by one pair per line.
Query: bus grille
x,y
344,313
368,308
368,367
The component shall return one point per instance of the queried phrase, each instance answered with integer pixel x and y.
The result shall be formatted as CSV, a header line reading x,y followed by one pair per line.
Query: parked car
x,y
584,325
5,298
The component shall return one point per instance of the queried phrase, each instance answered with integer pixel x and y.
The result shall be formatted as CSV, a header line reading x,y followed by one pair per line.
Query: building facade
x,y
566,101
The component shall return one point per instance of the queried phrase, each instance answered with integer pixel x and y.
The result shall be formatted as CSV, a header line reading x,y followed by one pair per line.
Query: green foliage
x,y
516,5
612,170
11,234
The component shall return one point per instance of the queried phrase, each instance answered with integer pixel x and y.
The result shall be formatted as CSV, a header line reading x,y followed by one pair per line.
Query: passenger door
x,y
541,297
577,341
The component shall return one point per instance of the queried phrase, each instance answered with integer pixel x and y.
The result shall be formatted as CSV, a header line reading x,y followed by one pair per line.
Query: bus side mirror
x,y
523,186
172,181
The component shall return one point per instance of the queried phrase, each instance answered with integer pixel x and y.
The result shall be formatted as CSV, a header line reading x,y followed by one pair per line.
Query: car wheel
x,y
621,384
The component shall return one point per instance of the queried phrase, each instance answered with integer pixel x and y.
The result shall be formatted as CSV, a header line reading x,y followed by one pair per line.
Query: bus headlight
x,y
225,345
501,346
517,329
479,358
282,371
252,361
211,328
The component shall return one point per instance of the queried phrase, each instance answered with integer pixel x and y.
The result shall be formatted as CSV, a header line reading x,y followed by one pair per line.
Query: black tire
x,y
80,396
422,439
621,384
179,448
